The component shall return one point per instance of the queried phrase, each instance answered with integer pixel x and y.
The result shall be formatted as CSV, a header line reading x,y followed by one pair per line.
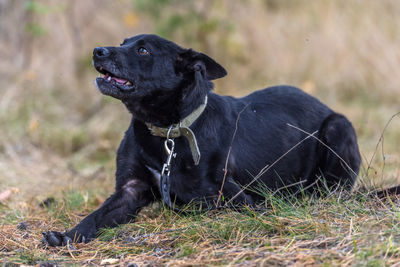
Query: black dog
x,y
278,138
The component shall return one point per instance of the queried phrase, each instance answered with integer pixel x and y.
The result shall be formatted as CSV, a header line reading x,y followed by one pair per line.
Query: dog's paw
x,y
55,239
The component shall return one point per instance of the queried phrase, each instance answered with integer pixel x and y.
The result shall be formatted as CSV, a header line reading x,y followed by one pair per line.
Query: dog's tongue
x,y
119,80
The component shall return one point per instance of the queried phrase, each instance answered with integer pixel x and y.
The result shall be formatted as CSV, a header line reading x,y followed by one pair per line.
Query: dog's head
x,y
145,64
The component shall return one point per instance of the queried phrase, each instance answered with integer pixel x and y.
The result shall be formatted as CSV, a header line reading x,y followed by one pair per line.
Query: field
x,y
59,135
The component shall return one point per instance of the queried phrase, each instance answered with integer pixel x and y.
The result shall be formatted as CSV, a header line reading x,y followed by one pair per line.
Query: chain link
x,y
169,146
170,154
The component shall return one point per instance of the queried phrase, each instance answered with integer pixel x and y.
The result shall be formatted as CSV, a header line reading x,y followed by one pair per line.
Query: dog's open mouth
x,y
111,84
119,81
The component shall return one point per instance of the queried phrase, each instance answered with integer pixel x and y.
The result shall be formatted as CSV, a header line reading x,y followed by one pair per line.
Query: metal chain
x,y
169,146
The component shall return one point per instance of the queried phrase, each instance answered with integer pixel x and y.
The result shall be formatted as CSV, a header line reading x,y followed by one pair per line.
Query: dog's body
x,y
297,141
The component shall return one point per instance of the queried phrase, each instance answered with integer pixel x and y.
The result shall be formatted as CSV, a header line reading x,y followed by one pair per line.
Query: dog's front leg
x,y
119,208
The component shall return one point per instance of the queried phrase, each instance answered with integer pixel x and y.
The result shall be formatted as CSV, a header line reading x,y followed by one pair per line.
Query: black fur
x,y
168,83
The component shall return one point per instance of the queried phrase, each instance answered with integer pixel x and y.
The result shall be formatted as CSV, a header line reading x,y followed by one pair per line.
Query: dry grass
x,y
329,232
58,135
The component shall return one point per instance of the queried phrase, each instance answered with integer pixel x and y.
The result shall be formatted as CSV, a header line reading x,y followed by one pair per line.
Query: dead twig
x,y
379,141
229,153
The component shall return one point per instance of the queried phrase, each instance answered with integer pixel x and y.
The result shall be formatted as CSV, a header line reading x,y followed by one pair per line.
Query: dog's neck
x,y
163,108
182,129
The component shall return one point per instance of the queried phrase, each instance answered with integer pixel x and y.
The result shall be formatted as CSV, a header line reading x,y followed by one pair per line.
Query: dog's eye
x,y
143,51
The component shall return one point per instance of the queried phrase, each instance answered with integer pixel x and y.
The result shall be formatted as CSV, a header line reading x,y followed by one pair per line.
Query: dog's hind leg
x,y
338,153
235,194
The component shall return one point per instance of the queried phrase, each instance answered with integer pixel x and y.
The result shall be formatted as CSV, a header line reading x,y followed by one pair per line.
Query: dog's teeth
x,y
109,78
128,83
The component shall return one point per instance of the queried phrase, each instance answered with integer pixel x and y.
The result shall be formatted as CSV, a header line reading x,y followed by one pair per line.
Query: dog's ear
x,y
191,60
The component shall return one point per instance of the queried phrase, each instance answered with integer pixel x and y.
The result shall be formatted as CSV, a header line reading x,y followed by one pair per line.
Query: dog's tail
x,y
395,190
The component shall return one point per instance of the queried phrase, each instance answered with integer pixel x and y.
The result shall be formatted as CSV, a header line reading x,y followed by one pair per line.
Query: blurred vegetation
x,y
344,52
189,21
59,134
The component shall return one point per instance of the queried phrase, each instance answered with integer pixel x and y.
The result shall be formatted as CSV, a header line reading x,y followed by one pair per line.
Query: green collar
x,y
182,129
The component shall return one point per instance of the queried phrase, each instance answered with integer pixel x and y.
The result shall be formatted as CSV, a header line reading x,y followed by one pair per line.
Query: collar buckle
x,y
182,129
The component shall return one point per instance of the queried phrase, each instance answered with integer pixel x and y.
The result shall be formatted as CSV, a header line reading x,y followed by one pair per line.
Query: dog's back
x,y
273,134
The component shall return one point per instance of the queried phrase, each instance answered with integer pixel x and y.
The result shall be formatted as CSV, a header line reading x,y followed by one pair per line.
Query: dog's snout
x,y
100,52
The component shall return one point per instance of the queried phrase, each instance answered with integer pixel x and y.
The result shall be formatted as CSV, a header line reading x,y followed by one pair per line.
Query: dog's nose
x,y
101,52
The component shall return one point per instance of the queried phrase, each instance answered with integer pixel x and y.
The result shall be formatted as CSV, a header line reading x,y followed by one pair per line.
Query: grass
x,y
358,230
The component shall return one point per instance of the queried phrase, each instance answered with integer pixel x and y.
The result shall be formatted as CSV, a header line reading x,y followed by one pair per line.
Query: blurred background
x,y
58,133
